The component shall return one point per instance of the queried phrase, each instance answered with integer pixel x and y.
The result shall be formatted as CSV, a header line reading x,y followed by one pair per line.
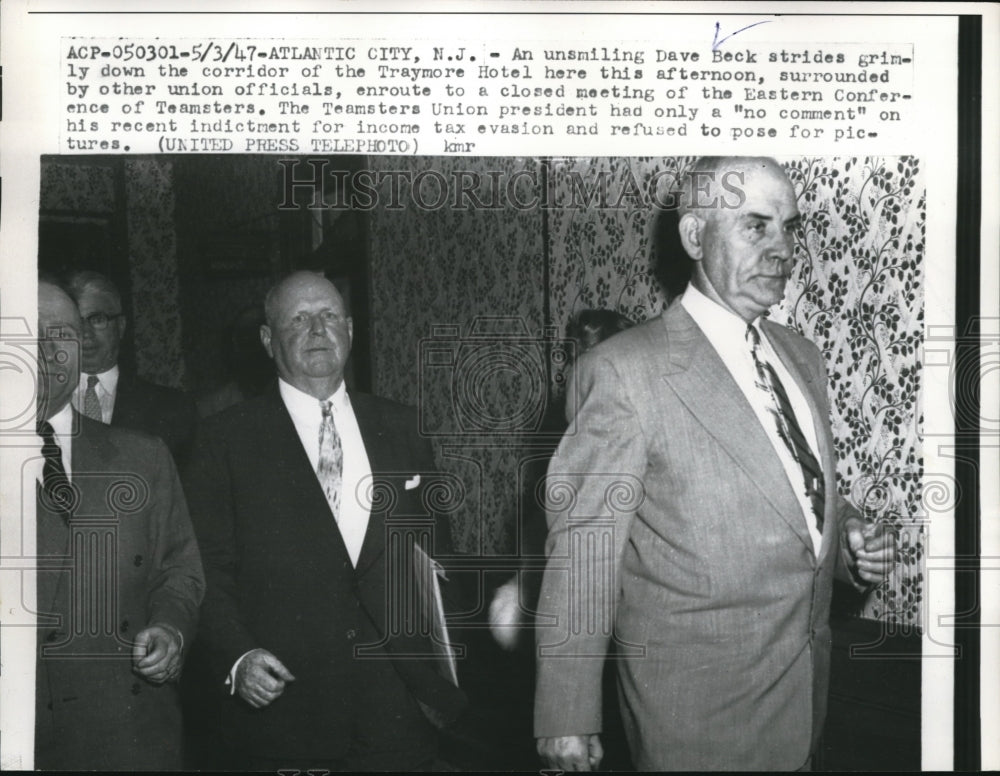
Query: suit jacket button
x,y
124,626
49,705
138,560
52,636
136,688
351,634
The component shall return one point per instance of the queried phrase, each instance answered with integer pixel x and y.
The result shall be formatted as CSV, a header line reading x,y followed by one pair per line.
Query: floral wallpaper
x,y
857,292
82,192
77,188
601,255
457,305
152,241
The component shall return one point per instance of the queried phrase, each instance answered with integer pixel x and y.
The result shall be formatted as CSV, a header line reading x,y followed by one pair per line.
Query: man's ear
x,y
265,339
690,229
122,323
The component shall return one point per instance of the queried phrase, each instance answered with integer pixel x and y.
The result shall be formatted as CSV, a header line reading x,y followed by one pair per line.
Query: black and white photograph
x,y
375,454
470,290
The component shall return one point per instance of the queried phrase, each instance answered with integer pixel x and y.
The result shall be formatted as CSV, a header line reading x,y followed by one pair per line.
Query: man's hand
x,y
872,549
571,753
261,678
505,614
156,654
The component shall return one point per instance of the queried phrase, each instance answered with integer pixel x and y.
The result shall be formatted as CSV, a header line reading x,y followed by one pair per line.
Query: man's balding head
x,y
738,220
308,333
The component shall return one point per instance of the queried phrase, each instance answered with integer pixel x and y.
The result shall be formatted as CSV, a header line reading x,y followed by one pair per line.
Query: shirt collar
x,y
717,322
301,404
62,423
108,380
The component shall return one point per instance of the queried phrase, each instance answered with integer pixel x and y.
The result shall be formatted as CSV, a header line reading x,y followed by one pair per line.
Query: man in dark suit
x,y
701,475
307,501
119,577
110,394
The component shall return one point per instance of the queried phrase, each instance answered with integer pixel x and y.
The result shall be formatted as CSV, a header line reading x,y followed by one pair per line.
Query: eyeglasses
x,y
100,321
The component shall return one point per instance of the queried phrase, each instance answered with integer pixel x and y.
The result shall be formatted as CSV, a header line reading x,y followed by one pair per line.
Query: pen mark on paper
x,y
716,42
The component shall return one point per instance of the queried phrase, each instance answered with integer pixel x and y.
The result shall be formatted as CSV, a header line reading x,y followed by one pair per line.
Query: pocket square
x,y
411,483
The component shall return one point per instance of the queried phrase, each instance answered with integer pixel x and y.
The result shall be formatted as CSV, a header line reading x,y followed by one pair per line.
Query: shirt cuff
x,y
231,679
173,629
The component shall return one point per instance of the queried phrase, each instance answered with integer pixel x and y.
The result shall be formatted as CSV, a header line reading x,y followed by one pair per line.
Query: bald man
x,y
119,581
306,501
694,516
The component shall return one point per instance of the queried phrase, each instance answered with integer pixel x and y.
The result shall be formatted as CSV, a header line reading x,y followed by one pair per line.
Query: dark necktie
x,y
330,467
56,488
92,404
788,427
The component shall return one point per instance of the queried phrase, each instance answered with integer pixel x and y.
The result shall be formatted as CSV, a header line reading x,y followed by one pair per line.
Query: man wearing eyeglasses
x,y
119,578
110,394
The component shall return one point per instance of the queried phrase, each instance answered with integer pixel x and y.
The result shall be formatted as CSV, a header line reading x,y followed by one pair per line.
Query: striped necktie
x,y
92,404
788,427
330,467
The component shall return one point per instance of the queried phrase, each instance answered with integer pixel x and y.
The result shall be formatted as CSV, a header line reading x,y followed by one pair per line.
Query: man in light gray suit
x,y
694,517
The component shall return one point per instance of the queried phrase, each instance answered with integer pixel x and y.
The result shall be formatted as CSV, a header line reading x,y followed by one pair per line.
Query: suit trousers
x,y
389,731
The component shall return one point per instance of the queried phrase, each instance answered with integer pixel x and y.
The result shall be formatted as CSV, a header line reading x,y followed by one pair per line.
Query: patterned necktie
x,y
91,404
331,459
788,428
56,489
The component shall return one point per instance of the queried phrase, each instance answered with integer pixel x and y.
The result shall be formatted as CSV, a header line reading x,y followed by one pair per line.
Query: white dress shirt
x,y
726,331
307,415
106,389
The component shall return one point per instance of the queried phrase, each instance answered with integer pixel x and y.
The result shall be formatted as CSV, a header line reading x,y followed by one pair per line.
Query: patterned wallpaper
x,y
152,243
442,277
601,256
857,292
77,188
81,192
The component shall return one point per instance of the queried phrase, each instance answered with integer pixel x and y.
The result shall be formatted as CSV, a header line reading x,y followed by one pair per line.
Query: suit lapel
x,y
293,469
52,533
380,458
703,383
91,447
124,411
90,452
